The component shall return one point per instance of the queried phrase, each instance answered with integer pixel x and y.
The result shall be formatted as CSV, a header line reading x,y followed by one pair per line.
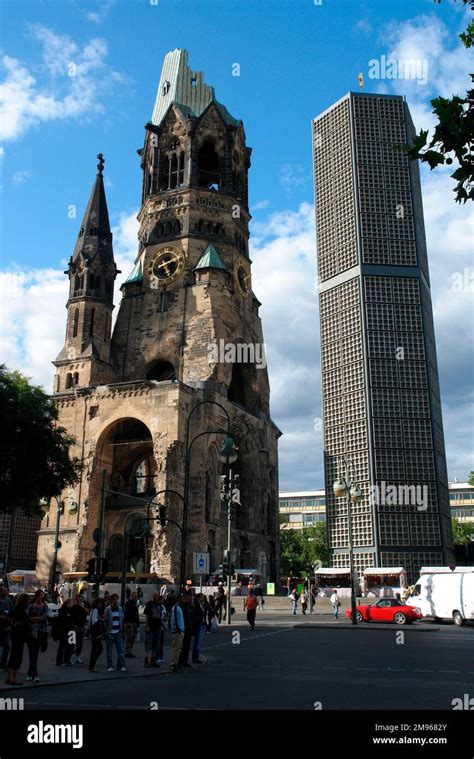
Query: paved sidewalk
x,y
51,674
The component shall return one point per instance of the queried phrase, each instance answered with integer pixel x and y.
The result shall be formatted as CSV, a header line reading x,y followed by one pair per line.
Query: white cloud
x,y
426,40
260,205
103,8
284,279
68,81
33,314
19,177
293,175
364,26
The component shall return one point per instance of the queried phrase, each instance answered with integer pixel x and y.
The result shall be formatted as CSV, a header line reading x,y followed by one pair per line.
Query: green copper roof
x,y
136,275
210,259
178,84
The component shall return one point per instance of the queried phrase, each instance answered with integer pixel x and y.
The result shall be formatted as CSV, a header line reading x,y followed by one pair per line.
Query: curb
x,y
360,626
111,677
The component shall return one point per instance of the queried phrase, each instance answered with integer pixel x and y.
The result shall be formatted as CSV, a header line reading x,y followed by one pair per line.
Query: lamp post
x,y
59,511
228,455
343,486
146,530
188,446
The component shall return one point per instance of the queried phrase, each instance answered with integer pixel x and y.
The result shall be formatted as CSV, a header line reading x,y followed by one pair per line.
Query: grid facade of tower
x,y
381,400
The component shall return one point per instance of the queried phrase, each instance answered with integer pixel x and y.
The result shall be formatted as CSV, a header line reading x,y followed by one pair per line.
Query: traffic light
x,y
162,516
225,571
91,577
232,569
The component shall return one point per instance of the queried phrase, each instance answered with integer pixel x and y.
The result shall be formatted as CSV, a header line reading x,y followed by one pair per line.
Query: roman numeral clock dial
x,y
165,266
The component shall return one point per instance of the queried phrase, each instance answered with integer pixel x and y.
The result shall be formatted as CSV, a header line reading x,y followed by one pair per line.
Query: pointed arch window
x,y
75,322
173,180
209,172
91,323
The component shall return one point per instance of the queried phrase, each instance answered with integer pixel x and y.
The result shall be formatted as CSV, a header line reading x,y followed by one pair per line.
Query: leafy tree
x,y
299,549
291,548
453,135
316,545
35,457
463,532
470,479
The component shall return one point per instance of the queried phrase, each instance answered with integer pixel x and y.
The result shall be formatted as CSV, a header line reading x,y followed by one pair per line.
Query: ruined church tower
x,y
187,330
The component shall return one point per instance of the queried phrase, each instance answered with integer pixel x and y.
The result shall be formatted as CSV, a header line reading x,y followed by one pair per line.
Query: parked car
x,y
387,610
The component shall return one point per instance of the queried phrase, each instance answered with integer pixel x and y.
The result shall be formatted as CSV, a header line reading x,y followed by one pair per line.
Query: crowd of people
x,y
25,623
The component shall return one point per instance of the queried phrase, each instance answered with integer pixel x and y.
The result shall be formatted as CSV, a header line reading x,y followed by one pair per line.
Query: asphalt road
x,y
303,667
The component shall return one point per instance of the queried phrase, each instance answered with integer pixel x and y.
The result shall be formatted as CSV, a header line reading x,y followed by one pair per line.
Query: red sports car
x,y
387,610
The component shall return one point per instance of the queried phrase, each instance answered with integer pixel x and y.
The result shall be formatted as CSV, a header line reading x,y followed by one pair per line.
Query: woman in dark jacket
x,y
211,612
38,613
20,632
65,625
199,614
96,632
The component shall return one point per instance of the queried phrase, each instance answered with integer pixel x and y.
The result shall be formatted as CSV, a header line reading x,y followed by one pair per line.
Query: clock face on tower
x,y
242,276
166,265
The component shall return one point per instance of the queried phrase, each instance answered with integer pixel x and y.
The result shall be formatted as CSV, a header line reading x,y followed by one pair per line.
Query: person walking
x,y
259,595
186,609
37,639
303,601
20,631
131,624
294,600
335,603
198,617
96,633
177,633
6,611
154,630
79,619
250,604
221,602
113,618
212,624
65,626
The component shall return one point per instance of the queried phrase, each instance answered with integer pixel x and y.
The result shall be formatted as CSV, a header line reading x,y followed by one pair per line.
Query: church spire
x,y
95,238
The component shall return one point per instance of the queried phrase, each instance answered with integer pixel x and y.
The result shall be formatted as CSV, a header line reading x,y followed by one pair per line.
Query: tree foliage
x,y
303,548
453,137
463,532
470,479
35,457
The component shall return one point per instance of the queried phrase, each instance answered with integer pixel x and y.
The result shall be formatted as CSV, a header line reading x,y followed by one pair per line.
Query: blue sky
x,y
296,58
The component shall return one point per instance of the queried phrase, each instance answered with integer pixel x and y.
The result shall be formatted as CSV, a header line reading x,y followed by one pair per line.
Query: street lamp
x,y
228,455
342,486
59,511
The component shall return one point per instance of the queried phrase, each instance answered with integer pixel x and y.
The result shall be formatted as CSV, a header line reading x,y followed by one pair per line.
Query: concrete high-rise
x,y
381,396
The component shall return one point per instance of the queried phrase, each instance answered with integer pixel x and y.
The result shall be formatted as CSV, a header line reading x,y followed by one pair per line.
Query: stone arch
x,y
160,371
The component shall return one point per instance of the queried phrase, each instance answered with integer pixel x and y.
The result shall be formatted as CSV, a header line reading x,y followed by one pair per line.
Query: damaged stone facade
x,y
126,395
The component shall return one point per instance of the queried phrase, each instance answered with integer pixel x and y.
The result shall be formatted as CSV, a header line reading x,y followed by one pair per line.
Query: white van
x,y
443,593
